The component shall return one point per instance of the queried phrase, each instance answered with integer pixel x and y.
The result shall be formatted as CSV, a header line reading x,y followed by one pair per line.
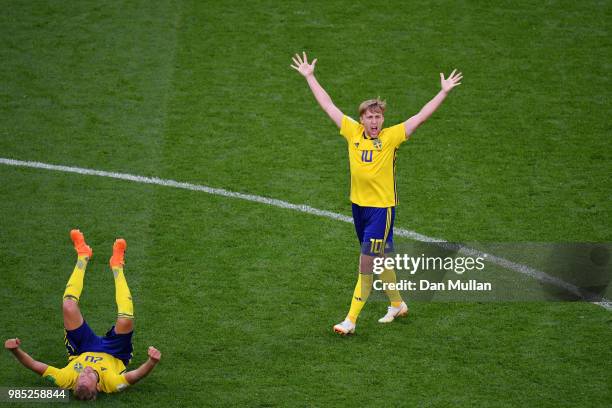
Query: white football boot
x,y
393,312
344,328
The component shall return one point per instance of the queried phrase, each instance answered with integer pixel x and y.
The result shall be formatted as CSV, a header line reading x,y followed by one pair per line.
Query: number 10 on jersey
x,y
366,156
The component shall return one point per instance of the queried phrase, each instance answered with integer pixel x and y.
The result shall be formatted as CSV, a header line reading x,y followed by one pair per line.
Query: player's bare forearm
x,y
319,93
324,100
24,358
300,64
430,107
27,361
138,374
141,372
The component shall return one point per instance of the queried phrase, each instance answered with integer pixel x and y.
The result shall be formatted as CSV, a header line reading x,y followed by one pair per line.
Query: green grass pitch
x,y
240,297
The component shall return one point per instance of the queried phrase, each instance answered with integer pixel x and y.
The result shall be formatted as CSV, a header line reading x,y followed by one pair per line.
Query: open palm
x,y
452,81
301,64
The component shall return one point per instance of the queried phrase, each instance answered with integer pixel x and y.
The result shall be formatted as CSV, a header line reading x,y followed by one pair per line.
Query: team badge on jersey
x,y
377,144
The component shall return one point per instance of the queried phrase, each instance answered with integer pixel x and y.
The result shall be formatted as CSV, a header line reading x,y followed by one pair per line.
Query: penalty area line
x,y
523,269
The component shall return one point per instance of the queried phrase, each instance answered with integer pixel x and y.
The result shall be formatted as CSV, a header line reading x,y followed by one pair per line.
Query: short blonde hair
x,y
374,105
85,394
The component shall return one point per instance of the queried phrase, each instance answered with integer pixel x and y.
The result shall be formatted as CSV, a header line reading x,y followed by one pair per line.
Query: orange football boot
x,y
80,246
117,260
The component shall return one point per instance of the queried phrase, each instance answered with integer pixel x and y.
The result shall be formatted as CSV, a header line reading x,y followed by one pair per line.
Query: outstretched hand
x,y
12,344
451,82
302,66
154,354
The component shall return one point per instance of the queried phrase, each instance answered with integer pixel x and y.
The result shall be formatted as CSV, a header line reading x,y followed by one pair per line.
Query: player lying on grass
x,y
95,363
372,152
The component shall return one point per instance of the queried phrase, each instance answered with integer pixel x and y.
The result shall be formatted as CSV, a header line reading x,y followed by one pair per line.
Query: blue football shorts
x,y
374,227
83,339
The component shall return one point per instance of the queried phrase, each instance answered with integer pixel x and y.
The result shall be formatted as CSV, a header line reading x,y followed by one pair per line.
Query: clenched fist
x,y
12,344
154,354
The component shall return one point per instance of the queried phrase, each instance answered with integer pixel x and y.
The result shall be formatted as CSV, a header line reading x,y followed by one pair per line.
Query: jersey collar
x,y
365,136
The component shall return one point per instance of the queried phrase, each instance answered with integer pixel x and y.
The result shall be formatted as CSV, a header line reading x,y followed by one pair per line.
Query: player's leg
x,y
388,276
362,217
362,291
398,307
363,288
123,297
73,318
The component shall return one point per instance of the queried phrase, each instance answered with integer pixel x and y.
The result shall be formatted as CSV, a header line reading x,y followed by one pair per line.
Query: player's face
x,y
88,378
372,121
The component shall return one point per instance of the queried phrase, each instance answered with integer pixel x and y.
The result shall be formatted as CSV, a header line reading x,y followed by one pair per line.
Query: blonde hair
x,y
375,105
85,394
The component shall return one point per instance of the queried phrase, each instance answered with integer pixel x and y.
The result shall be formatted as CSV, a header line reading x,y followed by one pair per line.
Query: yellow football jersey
x,y
109,369
372,163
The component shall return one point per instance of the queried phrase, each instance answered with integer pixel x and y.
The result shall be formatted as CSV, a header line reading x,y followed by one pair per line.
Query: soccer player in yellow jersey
x,y
372,150
95,363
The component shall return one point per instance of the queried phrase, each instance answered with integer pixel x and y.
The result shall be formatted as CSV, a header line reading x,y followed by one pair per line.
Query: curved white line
x,y
523,269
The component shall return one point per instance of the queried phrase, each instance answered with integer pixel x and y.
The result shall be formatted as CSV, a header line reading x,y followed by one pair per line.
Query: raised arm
x,y
138,374
447,85
24,358
307,70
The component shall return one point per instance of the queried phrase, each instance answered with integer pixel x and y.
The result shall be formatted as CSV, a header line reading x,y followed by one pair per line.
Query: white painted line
x,y
523,269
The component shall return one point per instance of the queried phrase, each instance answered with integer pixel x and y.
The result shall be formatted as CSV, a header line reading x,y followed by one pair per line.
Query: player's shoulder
x,y
397,133
393,129
347,117
111,381
350,128
64,377
347,121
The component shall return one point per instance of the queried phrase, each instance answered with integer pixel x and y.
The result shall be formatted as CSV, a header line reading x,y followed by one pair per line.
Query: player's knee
x,y
70,307
366,264
124,326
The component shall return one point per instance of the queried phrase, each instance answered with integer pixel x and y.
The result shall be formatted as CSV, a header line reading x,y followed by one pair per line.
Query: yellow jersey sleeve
x,y
396,135
63,378
350,128
113,382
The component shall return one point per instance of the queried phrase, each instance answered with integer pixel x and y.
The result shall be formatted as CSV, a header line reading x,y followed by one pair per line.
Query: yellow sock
x,y
360,295
388,276
74,287
123,297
